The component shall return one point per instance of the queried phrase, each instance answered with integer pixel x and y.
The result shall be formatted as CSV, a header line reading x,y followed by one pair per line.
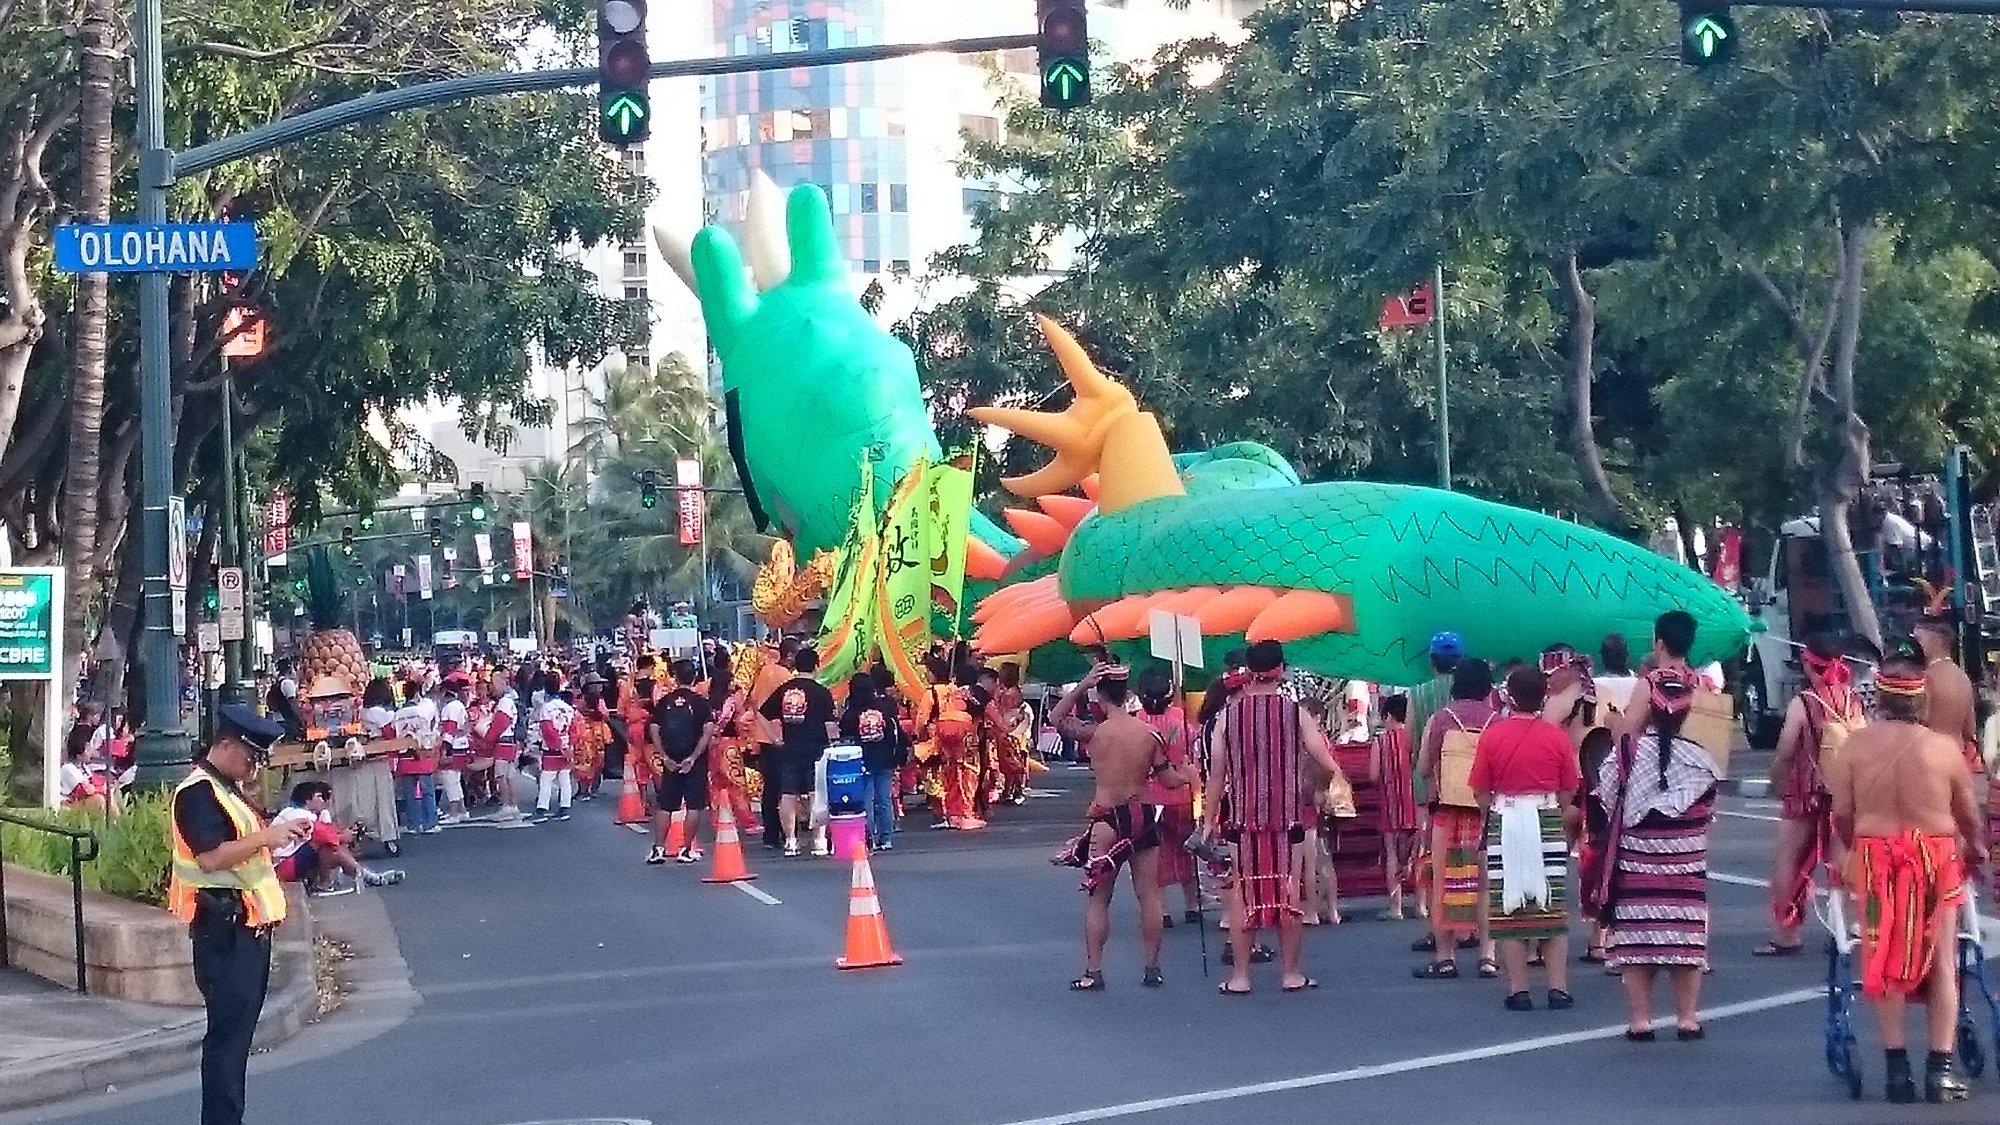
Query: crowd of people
x,y
1537,793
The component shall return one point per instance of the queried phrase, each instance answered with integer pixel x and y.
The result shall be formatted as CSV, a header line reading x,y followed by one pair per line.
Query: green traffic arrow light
x,y
1066,77
625,113
1707,35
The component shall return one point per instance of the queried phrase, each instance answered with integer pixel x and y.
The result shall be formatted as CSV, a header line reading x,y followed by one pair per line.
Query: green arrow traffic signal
x,y
1708,32
1066,80
1707,35
625,117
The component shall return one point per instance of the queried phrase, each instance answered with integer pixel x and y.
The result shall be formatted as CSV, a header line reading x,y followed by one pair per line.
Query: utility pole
x,y
228,539
1443,387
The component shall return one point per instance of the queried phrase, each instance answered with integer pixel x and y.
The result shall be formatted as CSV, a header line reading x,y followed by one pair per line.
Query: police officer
x,y
223,885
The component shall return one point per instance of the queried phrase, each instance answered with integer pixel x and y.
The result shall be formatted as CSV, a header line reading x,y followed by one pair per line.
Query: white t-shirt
x,y
454,712
376,720
291,813
410,722
69,777
427,712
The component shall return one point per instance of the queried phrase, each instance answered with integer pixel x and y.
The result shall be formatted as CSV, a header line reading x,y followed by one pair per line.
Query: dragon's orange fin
x,y
1042,532
1067,510
983,562
1302,613
1019,632
1234,609
1090,485
1185,602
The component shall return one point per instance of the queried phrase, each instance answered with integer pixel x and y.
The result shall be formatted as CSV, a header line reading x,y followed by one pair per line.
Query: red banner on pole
x,y
524,552
1728,558
1408,310
277,523
691,502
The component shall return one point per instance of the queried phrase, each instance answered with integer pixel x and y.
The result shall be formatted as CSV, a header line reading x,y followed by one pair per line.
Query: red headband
x,y
1900,685
1833,670
1270,677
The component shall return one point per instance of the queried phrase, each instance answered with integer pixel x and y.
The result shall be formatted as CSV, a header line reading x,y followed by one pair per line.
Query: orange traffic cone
x,y
677,832
631,806
867,930
728,866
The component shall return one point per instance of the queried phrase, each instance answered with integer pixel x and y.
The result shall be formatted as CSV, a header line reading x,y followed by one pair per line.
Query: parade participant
x,y
804,712
314,860
1457,833
1262,740
635,706
222,884
1616,682
480,788
1817,722
1318,884
869,721
773,674
1903,812
955,733
555,724
282,701
1396,800
1009,723
681,729
985,689
1952,704
735,738
455,735
1427,698
378,708
416,796
1126,754
1658,793
1172,795
1525,776
502,739
593,738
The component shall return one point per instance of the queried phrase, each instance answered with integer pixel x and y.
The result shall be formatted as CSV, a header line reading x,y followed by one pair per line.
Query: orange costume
x,y
736,729
637,711
1910,885
956,734
1004,733
591,737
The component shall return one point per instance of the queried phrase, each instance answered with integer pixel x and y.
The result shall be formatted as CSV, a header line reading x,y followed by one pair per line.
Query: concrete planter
x,y
131,951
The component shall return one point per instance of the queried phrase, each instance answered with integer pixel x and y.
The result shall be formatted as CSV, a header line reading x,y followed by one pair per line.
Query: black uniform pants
x,y
767,803
232,968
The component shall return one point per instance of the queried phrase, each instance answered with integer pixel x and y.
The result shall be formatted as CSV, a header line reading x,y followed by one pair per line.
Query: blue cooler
x,y
845,789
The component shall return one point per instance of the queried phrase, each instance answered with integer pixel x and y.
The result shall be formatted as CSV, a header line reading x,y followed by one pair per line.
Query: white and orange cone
x,y
867,931
728,866
631,806
677,832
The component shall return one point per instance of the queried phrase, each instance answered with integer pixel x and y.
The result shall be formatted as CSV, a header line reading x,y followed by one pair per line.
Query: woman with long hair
x,y
1659,793
735,735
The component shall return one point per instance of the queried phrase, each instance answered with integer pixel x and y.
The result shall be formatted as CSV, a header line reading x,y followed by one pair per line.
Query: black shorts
x,y
690,788
796,771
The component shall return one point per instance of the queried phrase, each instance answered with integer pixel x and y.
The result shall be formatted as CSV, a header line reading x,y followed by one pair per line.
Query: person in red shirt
x,y
1525,777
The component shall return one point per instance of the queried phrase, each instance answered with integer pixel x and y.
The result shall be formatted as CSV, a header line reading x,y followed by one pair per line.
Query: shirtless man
x,y
1953,707
1124,754
1826,702
1903,816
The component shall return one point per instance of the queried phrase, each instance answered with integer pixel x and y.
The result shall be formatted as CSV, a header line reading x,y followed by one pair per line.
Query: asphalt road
x,y
562,980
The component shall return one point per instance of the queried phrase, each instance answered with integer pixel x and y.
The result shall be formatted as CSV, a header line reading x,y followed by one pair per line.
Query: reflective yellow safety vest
x,y
255,878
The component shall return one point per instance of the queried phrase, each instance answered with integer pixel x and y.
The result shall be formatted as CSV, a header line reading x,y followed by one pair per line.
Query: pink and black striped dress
x,y
1658,881
1267,800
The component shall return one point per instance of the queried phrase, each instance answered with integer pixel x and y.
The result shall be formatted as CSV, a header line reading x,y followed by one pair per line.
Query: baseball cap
x,y
1447,644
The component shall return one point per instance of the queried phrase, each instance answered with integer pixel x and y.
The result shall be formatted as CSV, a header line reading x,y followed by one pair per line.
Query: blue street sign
x,y
155,247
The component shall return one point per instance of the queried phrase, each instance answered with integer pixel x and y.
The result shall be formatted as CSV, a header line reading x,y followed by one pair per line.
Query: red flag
x,y
1408,310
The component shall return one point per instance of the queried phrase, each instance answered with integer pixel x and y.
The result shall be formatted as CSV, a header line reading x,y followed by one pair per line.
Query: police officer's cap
x,y
237,720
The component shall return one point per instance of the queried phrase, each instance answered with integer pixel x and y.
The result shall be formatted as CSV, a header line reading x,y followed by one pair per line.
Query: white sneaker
x,y
657,856
819,850
433,830
454,818
387,878
791,847
335,889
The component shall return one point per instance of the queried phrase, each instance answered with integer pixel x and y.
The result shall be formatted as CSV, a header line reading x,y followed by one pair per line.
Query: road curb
x,y
177,1046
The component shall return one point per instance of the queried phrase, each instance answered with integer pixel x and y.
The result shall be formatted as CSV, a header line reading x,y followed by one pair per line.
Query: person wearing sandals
x,y
1457,909
1525,777
1157,710
1262,741
1658,793
1817,721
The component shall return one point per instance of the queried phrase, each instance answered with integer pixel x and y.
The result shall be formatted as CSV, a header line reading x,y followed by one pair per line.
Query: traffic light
x,y
437,532
1708,32
347,540
368,521
649,489
1062,48
624,103
478,509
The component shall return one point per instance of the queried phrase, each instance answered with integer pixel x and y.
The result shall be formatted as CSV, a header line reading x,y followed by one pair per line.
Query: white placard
x,y
229,602
1176,637
208,637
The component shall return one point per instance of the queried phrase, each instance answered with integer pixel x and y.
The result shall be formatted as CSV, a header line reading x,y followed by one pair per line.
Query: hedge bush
x,y
132,852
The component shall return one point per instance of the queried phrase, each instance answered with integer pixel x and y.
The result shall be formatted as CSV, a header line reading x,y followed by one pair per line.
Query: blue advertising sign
x,y
155,247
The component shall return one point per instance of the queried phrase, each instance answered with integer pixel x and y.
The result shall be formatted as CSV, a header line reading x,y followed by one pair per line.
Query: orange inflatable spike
x,y
983,562
1042,532
1067,510
1185,602
1088,631
1090,485
1234,609
1302,613
1015,598
1130,617
1019,632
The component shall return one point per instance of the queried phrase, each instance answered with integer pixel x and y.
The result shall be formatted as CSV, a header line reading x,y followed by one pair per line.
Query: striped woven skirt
x,y
1659,890
1265,873
1457,834
1538,920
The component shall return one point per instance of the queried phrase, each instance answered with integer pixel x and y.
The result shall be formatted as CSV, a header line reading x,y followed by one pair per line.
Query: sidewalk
x,y
56,1044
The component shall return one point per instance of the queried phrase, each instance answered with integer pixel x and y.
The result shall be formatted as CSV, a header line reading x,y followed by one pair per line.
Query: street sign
x,y
155,247
691,503
451,568
208,637
177,562
244,332
229,605
27,624
424,577
1407,310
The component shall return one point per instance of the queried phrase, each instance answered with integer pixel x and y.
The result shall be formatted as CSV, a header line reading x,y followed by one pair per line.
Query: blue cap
x,y
1447,644
238,720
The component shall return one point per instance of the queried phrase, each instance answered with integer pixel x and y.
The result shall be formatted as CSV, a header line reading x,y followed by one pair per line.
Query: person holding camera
x,y
223,884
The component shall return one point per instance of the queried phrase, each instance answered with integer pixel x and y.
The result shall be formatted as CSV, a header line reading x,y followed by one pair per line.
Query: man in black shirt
x,y
679,732
222,883
803,710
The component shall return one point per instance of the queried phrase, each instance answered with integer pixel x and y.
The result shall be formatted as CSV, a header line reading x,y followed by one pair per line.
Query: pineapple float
x,y
332,666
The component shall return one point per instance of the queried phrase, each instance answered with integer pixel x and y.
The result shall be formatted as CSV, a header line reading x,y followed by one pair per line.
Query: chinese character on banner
x,y
396,575
424,577
451,568
1407,310
524,551
691,502
277,523
1728,558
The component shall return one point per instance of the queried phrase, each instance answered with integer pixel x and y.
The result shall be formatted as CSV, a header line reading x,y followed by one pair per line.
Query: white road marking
x,y
1405,1066
641,829
1738,880
752,890
1749,816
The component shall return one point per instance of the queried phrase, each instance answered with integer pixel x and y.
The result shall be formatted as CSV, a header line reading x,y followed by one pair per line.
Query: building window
x,y
899,198
639,360
981,128
810,124
1020,60
892,122
633,159
635,260
982,199
870,198
635,290
900,266
871,265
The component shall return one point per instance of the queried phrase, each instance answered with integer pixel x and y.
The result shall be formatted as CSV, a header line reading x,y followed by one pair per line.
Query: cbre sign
x,y
155,247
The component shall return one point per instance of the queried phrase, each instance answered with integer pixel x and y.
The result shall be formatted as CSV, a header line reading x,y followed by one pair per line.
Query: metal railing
x,y
82,849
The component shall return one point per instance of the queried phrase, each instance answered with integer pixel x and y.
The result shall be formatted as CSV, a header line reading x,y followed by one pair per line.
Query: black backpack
x,y
680,726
